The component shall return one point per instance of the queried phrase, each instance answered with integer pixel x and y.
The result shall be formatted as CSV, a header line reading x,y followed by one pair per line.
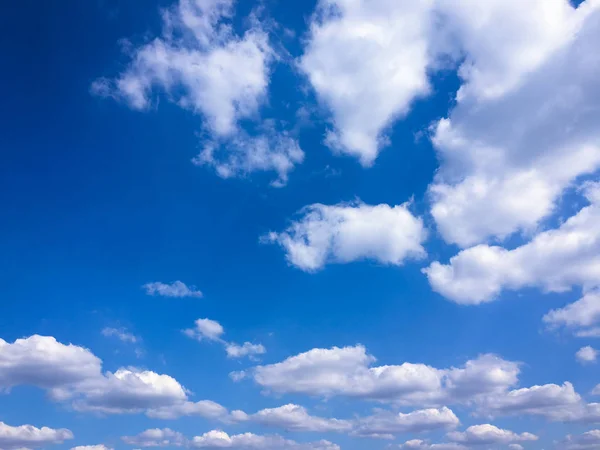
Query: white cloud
x,y
367,61
72,373
206,329
586,355
12,438
525,126
348,371
204,408
554,260
244,154
487,434
120,333
579,316
156,437
385,424
296,418
213,331
203,66
515,447
174,289
92,447
43,361
350,232
127,391
551,401
247,349
219,439
418,444
590,440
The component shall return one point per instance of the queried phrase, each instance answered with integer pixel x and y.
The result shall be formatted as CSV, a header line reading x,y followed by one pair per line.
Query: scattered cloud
x,y
554,260
212,330
219,439
418,444
579,316
28,436
120,333
589,440
367,61
351,232
156,437
489,435
349,372
386,425
204,67
586,355
92,447
204,408
175,289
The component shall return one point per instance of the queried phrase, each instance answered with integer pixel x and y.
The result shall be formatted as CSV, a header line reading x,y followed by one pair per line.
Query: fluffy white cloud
x,y
92,447
489,435
247,349
128,390
121,334
525,126
385,424
295,418
590,440
12,438
219,439
551,401
213,331
72,373
156,437
174,289
204,408
579,316
43,361
348,371
204,67
418,444
586,355
243,154
350,232
554,260
206,329
367,61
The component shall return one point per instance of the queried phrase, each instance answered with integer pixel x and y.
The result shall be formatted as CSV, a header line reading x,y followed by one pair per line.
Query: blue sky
x,y
333,224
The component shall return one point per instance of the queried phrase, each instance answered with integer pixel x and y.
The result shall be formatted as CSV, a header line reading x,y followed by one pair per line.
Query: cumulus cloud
x,y
385,424
554,261
120,333
212,330
219,439
72,373
367,61
296,418
92,447
589,440
586,355
551,401
174,289
579,316
204,408
349,371
203,66
28,436
489,435
418,444
246,349
156,437
524,128
350,232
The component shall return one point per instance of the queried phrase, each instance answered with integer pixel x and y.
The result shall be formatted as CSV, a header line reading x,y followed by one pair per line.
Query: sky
x,y
310,225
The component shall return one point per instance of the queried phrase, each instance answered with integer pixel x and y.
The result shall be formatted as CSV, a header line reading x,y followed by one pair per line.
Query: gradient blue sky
x,y
100,198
